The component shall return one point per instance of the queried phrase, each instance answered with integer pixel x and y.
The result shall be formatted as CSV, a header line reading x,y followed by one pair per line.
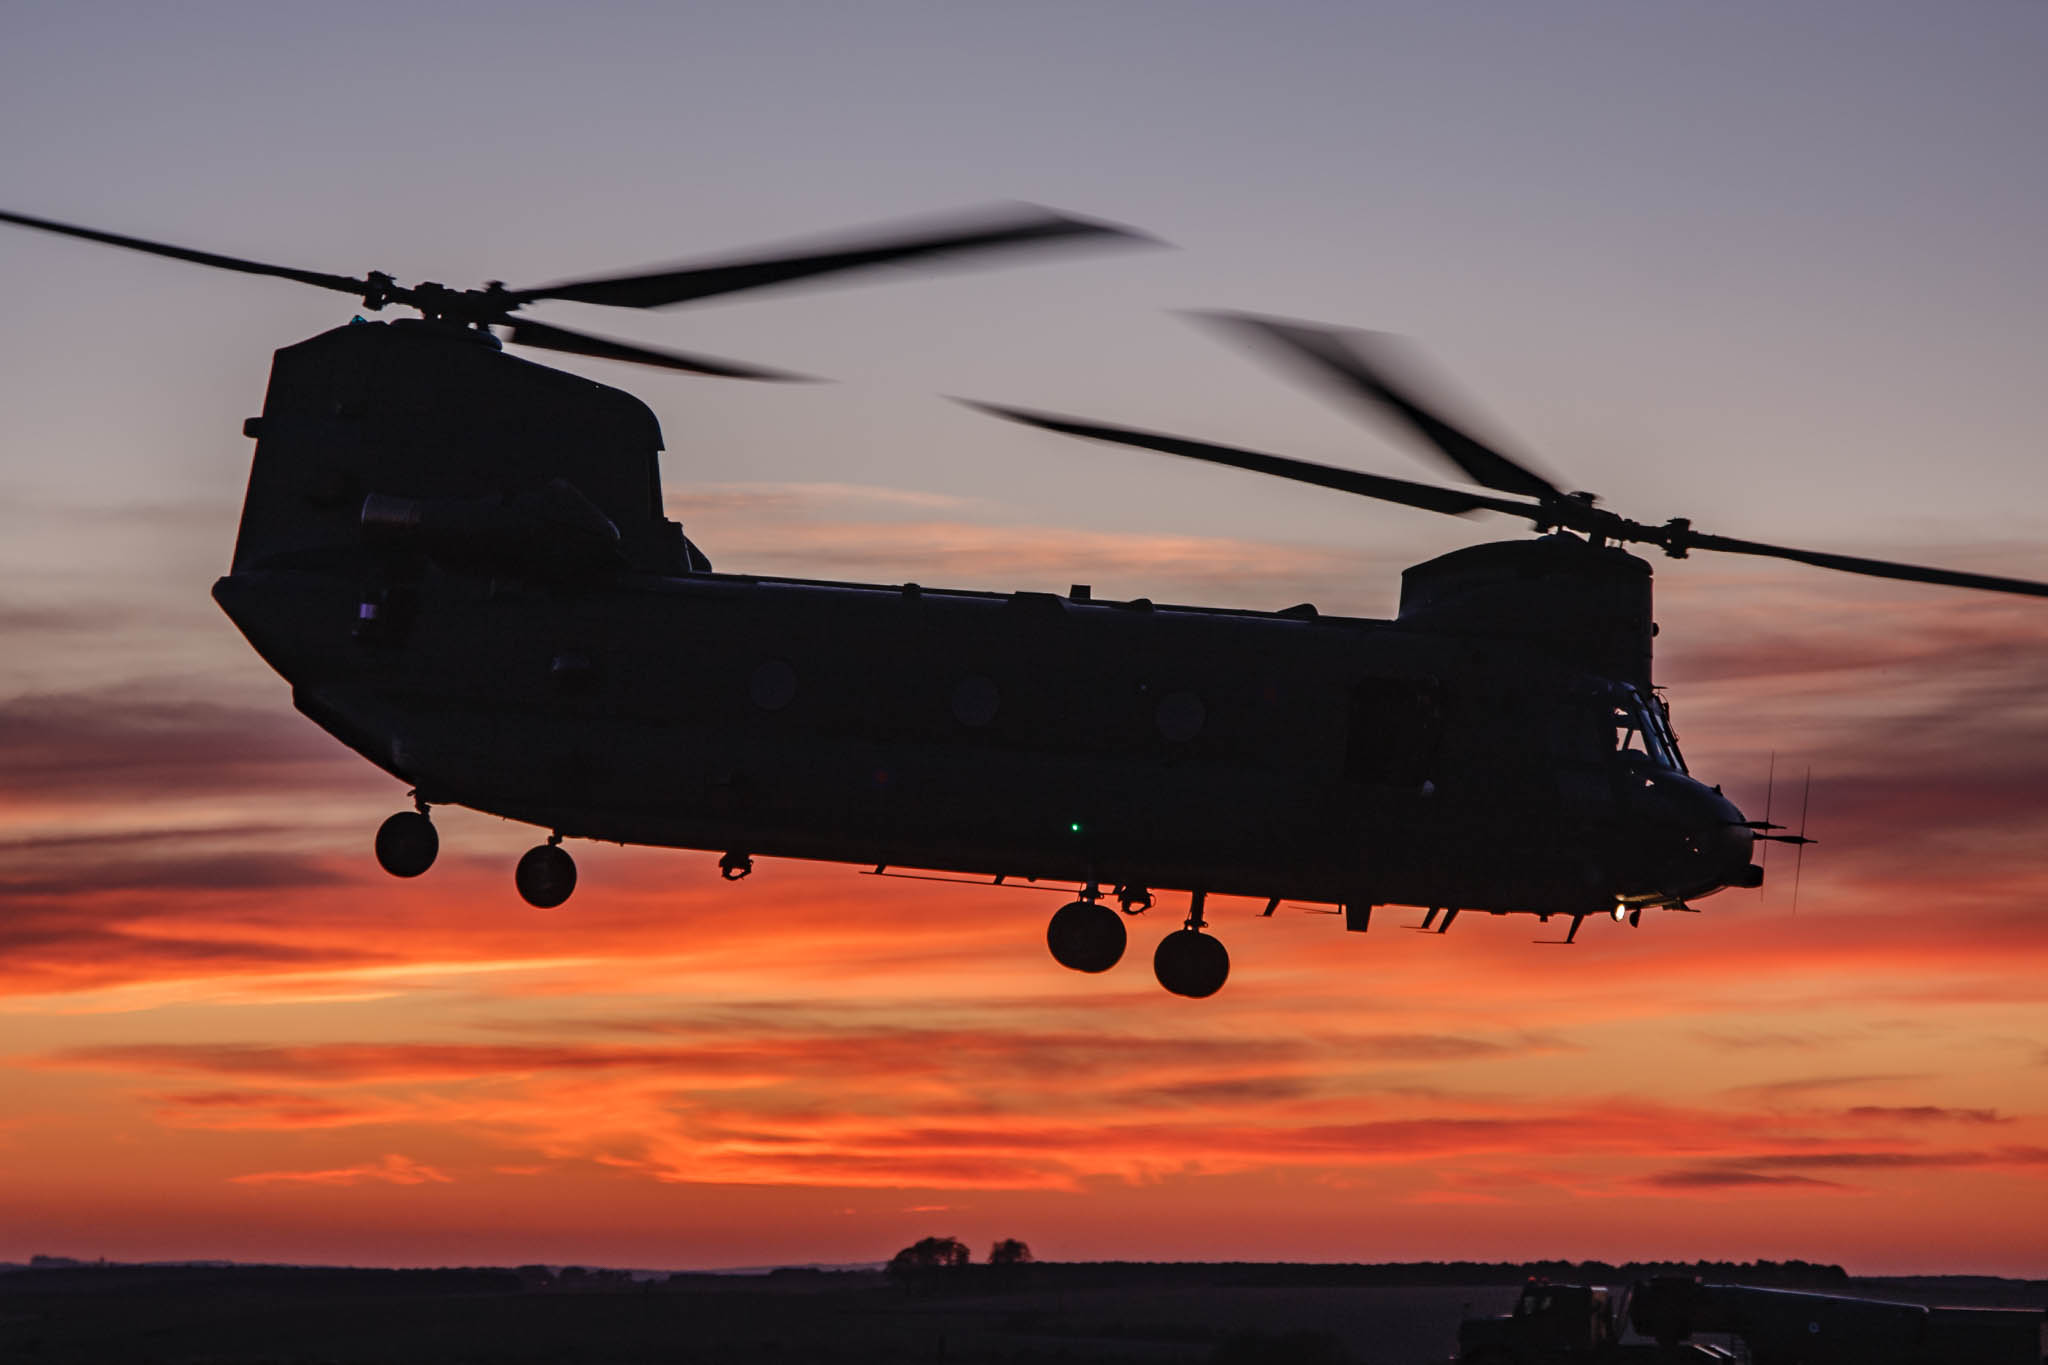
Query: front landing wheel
x,y
1189,962
545,876
407,844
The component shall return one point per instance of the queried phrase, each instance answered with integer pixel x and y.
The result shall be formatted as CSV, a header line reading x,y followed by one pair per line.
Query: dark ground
x,y
1317,1315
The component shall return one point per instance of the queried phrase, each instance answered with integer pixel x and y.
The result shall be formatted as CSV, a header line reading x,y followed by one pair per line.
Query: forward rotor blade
x,y
1876,568
1426,496
340,283
547,338
1018,226
1340,361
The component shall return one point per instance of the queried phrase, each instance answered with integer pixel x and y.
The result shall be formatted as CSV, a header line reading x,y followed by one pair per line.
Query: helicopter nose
x,y
1726,849
1719,840
1712,846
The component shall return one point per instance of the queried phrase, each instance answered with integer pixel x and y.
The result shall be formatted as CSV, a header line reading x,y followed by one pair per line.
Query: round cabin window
x,y
1179,716
774,684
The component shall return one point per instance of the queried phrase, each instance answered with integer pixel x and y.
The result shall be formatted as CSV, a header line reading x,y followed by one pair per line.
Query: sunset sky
x,y
1772,267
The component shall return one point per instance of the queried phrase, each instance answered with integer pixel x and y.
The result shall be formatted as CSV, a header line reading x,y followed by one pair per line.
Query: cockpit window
x,y
1659,716
1628,732
1644,728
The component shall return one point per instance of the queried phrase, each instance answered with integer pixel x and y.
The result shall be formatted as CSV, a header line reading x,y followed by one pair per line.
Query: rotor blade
x,y
1876,568
340,283
1339,359
1426,496
1022,225
539,334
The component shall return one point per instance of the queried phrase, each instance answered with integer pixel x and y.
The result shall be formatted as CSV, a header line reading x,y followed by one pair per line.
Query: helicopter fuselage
x,y
1296,755
461,564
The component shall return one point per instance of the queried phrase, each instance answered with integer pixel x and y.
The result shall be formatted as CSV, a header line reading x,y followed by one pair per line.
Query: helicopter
x,y
459,561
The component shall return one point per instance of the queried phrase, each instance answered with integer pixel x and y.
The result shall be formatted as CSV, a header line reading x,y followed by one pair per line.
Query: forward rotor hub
x,y
438,303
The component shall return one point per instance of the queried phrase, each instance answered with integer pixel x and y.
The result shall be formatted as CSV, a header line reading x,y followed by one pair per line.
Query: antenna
x,y
1763,861
1799,860
1764,827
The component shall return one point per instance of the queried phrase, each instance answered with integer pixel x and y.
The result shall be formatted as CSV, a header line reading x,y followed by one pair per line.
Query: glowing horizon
x,y
251,1002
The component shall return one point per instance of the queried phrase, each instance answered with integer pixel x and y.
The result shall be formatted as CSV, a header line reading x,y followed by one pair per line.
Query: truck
x,y
1579,1324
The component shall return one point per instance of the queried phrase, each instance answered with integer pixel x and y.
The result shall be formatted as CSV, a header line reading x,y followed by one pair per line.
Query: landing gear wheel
x,y
1086,936
546,875
1190,963
407,843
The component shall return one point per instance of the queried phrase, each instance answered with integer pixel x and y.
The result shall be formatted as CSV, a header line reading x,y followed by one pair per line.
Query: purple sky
x,y
1776,267
1772,266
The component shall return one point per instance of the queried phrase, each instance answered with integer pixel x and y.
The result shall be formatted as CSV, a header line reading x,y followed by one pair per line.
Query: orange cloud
x,y
955,1106
392,1170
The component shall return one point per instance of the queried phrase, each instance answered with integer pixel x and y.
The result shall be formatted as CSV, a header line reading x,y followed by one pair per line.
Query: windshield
x,y
1645,728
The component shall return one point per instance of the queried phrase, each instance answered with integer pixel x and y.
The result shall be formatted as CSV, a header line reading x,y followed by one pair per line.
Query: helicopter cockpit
x,y
1642,728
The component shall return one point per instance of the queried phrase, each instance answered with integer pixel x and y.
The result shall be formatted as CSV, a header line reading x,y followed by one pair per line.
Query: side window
x,y
1396,726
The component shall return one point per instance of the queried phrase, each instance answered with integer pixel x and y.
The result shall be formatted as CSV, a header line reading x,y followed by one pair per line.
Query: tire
x,y
407,844
1086,936
545,876
1191,964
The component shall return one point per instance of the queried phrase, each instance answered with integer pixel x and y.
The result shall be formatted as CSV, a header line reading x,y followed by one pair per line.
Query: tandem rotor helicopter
x,y
460,563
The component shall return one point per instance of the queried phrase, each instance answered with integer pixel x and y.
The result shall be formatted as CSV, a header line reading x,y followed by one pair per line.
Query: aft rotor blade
x,y
340,283
546,338
1426,496
1019,226
1339,360
1876,568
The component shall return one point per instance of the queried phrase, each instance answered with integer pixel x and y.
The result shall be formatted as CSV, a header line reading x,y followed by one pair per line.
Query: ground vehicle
x,y
1558,1323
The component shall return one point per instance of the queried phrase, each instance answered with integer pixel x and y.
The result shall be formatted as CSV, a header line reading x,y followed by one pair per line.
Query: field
x,y
241,1315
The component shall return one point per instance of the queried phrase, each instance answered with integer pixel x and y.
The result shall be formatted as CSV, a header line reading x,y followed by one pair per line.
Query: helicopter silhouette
x,y
460,562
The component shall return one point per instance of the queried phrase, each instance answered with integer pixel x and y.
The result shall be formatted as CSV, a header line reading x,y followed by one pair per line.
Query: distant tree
x,y
1009,1251
927,1257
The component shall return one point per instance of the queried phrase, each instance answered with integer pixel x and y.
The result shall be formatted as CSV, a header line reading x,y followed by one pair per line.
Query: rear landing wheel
x,y
1189,962
1086,936
545,876
407,843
